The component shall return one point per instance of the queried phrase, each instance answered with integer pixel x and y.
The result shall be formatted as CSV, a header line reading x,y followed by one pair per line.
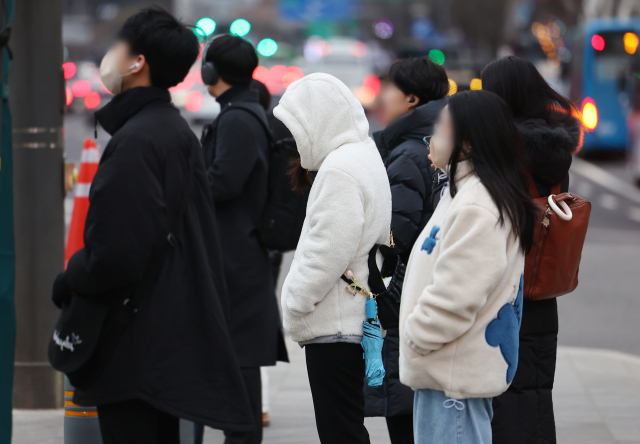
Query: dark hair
x,y
484,121
526,92
169,47
264,96
420,76
235,59
301,179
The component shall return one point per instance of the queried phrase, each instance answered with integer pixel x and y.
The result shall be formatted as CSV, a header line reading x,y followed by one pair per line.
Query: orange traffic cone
x,y
88,167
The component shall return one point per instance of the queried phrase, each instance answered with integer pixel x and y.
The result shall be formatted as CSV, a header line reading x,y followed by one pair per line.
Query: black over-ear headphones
x,y
209,74
208,70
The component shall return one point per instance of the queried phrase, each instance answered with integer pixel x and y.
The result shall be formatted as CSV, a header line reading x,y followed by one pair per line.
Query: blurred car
x,y
84,89
346,58
193,99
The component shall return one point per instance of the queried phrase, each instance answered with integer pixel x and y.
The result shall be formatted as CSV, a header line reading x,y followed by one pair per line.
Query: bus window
x,y
613,62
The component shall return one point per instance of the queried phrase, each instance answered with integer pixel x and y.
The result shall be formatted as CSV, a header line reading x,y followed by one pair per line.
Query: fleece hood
x,y
322,114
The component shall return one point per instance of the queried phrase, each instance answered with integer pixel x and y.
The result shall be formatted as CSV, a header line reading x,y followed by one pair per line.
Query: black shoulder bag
x,y
387,297
89,330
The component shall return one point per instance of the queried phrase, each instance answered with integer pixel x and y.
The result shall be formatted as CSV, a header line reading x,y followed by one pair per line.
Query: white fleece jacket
x,y
349,208
462,300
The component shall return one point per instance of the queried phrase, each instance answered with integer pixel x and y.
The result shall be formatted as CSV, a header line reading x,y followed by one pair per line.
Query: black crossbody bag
x,y
89,330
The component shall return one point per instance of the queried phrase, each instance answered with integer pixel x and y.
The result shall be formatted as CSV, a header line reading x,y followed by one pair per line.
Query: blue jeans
x,y
440,420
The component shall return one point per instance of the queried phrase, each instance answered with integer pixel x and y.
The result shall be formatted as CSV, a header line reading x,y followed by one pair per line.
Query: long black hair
x,y
526,92
484,122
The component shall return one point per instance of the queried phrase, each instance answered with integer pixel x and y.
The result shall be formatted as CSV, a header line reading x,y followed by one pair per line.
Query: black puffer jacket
x,y
410,173
524,414
410,176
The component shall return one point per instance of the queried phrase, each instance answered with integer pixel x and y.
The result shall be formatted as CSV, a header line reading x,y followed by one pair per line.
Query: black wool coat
x,y
524,413
177,354
236,152
410,176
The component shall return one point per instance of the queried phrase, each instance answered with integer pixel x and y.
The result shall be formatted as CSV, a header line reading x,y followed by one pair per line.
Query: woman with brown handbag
x,y
551,133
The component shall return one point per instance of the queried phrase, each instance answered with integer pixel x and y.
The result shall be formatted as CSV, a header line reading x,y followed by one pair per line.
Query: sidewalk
x,y
596,395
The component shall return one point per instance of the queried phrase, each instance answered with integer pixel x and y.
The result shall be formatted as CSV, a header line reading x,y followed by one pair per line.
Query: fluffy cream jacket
x,y
349,208
462,300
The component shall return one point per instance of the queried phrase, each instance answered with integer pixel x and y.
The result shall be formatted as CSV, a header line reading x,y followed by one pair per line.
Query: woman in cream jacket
x,y
349,210
462,296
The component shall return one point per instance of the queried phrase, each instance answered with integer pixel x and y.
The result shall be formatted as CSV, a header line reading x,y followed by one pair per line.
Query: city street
x,y
597,392
602,312
158,299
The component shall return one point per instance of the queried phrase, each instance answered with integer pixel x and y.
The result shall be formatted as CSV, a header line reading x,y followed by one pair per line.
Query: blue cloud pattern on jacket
x,y
430,242
504,331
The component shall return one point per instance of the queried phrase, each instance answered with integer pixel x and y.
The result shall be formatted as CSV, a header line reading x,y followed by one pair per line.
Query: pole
x,y
7,252
37,100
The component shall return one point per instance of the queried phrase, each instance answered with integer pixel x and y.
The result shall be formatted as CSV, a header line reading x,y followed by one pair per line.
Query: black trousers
x,y
253,384
136,422
336,375
400,428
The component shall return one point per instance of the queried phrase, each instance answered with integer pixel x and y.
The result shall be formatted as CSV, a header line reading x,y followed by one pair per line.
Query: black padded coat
x,y
524,413
410,176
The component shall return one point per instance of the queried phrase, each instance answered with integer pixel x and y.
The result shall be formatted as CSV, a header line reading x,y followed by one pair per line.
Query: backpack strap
x,y
250,108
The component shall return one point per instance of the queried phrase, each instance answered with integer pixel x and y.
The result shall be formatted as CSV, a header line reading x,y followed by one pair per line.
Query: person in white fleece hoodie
x,y
349,210
461,303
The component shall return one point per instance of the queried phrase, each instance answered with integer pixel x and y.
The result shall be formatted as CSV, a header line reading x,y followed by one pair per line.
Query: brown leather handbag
x,y
551,267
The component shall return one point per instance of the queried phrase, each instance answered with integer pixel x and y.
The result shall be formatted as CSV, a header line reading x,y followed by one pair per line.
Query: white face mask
x,y
109,73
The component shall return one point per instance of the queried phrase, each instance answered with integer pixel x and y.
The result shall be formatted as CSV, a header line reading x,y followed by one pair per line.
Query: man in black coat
x,y
236,148
412,102
176,358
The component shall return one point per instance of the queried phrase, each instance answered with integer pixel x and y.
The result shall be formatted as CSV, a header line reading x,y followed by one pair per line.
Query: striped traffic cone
x,y
81,424
88,167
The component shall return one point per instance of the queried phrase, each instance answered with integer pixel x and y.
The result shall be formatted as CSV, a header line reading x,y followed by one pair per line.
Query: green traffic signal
x,y
205,27
240,27
436,56
267,47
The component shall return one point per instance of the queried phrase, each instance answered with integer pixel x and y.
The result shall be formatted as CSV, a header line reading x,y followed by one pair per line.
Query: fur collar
x,y
549,146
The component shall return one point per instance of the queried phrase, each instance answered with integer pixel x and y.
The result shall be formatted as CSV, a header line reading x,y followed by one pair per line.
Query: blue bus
x,y
610,55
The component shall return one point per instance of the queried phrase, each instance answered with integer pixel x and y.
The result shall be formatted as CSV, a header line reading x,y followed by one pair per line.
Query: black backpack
x,y
281,222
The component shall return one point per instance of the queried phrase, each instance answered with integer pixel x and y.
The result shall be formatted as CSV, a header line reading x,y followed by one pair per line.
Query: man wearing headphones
x,y
236,150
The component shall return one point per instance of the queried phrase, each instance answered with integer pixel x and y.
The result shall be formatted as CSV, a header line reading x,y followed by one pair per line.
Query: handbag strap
x,y
157,259
533,189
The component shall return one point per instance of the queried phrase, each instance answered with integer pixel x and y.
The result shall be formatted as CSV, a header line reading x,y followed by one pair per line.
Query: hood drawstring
x,y
95,125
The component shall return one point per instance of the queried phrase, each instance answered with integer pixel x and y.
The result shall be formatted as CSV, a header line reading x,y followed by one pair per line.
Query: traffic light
x,y
267,47
205,27
240,27
436,56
